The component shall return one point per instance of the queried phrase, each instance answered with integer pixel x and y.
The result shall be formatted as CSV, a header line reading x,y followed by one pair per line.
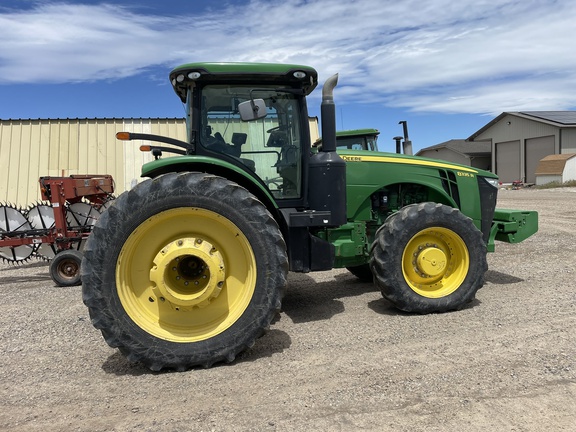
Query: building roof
x,y
461,146
561,119
553,164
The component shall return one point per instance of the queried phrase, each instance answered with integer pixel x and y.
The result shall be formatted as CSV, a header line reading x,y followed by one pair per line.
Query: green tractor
x,y
189,267
354,139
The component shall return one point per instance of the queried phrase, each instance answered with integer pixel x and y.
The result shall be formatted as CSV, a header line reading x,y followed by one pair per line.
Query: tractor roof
x,y
353,133
183,76
357,132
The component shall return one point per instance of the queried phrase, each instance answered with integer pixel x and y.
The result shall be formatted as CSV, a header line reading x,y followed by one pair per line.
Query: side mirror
x,y
253,109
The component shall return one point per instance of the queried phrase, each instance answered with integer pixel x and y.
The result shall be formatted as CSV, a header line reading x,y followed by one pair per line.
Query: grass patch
x,y
556,184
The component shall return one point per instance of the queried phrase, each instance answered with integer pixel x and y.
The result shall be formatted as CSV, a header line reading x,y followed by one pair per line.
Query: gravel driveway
x,y
339,358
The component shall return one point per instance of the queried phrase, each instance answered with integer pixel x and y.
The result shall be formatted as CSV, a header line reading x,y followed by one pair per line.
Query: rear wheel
x,y
183,270
428,257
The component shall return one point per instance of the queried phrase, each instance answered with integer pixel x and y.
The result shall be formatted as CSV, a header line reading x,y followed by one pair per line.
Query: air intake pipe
x,y
327,170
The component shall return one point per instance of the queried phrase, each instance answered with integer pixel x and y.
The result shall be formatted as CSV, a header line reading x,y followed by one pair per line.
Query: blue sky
x,y
446,67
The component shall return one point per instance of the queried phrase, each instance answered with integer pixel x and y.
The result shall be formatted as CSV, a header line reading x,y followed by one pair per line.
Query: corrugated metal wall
x,y
31,149
61,147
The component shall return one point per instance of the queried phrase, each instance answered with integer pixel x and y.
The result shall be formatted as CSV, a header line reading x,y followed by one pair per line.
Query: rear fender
x,y
244,177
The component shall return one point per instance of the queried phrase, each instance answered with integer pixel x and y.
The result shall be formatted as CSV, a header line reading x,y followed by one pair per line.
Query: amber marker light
x,y
123,136
144,148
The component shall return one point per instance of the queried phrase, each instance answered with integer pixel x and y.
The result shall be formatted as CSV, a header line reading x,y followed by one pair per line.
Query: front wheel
x,y
428,257
184,270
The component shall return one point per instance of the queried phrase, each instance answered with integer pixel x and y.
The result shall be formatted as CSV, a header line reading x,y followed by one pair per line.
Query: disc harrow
x,y
13,223
58,226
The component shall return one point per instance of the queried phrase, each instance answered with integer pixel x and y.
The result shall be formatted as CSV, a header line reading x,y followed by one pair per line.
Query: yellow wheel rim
x,y
435,262
186,274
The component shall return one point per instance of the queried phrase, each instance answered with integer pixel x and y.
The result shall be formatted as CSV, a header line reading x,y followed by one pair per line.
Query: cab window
x,y
269,147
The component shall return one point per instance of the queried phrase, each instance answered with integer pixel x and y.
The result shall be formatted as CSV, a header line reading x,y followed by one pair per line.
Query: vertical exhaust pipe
x,y
328,114
327,175
407,144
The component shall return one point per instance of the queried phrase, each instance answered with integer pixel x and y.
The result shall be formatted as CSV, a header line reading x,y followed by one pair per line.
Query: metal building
x,y
519,140
61,147
34,148
460,151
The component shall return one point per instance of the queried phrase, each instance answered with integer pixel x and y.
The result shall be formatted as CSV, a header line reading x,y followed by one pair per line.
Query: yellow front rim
x,y
435,262
186,274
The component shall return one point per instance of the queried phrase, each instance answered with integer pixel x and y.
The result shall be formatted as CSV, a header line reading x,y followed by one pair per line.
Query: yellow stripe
x,y
395,160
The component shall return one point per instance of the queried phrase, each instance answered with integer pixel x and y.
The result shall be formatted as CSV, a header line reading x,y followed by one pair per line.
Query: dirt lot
x,y
339,358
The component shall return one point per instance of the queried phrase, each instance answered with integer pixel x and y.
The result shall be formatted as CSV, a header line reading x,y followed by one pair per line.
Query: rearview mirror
x,y
253,109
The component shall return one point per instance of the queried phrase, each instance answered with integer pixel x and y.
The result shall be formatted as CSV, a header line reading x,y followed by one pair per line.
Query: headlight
x,y
492,181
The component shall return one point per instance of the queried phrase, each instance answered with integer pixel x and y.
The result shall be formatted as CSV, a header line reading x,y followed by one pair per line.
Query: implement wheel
x,y
65,268
183,270
428,257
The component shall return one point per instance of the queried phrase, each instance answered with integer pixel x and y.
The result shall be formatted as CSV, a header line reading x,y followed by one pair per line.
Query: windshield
x,y
270,146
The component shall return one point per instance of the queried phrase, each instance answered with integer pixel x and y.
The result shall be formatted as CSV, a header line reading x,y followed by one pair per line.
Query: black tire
x,y
133,271
362,272
65,268
428,257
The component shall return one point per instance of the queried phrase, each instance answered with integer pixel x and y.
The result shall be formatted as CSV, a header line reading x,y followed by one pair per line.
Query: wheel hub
x,y
69,268
188,272
431,261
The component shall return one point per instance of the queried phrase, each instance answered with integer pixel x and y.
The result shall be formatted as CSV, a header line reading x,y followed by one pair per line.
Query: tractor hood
x,y
395,158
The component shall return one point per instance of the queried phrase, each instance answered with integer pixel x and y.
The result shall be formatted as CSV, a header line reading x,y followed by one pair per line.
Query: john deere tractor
x,y
189,267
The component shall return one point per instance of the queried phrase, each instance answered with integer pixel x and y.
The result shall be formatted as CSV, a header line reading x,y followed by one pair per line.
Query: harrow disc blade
x,y
12,220
81,214
41,216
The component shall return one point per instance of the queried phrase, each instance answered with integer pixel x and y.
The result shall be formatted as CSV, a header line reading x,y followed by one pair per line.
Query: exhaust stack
x,y
328,114
407,144
327,170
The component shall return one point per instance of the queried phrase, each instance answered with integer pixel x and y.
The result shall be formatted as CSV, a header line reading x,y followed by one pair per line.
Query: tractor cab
x,y
261,128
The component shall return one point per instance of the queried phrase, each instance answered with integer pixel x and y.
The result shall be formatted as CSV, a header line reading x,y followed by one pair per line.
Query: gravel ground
x,y
339,358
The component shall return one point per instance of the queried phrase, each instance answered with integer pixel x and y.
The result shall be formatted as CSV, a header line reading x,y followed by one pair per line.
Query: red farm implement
x,y
56,228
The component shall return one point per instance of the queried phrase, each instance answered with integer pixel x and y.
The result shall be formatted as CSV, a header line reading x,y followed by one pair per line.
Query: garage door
x,y
536,149
508,161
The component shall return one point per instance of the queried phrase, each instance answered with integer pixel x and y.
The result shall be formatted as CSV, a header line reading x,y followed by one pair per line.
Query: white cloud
x,y
437,56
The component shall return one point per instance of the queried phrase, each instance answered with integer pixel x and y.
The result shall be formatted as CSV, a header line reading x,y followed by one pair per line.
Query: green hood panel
x,y
395,158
